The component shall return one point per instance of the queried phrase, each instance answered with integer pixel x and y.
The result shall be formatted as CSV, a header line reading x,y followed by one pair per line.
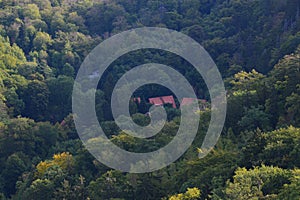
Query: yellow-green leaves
x,y
190,194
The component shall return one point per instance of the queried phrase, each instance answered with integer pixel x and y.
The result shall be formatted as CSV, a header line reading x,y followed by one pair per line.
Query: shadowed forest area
x,y
256,46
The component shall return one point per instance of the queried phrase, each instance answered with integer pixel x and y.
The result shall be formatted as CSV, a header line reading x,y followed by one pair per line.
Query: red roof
x,y
188,101
63,123
159,101
137,99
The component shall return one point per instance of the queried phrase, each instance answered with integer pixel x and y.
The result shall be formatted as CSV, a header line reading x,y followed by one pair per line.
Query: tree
x,y
11,55
43,189
246,81
74,18
41,41
281,83
57,23
45,136
3,111
281,148
59,100
78,191
13,102
64,160
68,70
196,32
246,94
100,103
18,137
112,184
206,173
293,107
14,167
292,190
36,99
258,183
31,11
100,17
190,194
172,20
277,147
27,69
255,118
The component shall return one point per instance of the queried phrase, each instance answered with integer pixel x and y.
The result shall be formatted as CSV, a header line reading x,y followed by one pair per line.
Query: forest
x,y
254,43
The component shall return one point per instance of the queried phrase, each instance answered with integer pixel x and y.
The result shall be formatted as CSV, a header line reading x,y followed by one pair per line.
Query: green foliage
x,y
3,111
41,41
13,101
258,183
281,84
40,188
77,191
292,190
246,81
31,11
100,17
282,147
11,55
255,118
279,147
42,45
13,168
190,194
64,161
36,99
59,100
112,184
293,107
207,173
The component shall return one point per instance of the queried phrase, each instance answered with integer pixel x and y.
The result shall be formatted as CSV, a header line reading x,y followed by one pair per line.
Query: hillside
x,y
256,46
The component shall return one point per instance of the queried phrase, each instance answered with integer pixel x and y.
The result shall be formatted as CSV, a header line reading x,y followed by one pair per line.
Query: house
x,y
137,100
160,101
188,101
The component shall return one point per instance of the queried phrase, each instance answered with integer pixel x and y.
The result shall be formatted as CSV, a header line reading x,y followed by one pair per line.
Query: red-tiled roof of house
x,y
63,123
137,99
159,101
156,101
188,101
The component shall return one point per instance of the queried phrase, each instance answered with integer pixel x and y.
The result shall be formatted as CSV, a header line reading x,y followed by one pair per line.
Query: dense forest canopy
x,y
256,46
